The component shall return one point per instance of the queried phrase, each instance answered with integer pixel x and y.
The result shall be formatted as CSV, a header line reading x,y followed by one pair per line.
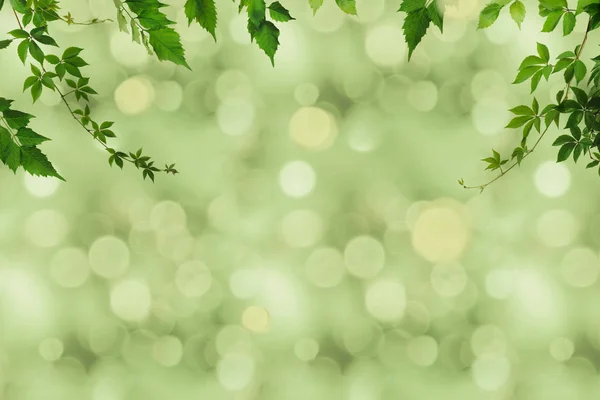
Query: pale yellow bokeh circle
x,y
134,95
364,256
386,300
561,349
256,319
423,350
441,232
313,128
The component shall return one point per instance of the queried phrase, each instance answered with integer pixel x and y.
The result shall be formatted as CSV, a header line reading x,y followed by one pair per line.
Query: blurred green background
x,y
315,244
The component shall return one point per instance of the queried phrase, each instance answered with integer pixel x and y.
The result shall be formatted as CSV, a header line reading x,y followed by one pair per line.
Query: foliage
x,y
148,24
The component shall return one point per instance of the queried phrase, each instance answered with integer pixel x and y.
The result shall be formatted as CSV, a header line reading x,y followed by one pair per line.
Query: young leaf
x,y
315,5
436,15
347,6
489,15
517,12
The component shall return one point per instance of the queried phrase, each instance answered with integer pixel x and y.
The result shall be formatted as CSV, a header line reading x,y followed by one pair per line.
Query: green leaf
x,y
256,11
9,151
531,60
36,52
279,13
267,38
347,6
5,43
542,50
565,151
167,46
489,15
526,73
582,97
518,122
568,23
562,139
16,119
28,137
552,20
409,6
415,25
580,70
122,22
436,15
522,110
36,163
517,12
315,5
22,50
204,12
36,91
535,80
19,6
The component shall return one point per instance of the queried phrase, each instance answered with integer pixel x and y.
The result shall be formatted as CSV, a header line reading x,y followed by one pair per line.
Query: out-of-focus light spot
x,y
168,351
557,228
130,300
490,372
301,228
235,371
313,128
561,349
386,300
238,29
168,217
306,94
233,339
552,179
40,186
245,283
256,319
490,116
423,95
325,267
441,233
235,116
357,334
423,350
364,256
46,228
128,53
370,10
361,128
489,84
297,179
169,95
306,349
500,283
327,19
385,46
109,257
193,278
580,267
69,267
488,340
448,280
134,95
501,32
51,349
233,83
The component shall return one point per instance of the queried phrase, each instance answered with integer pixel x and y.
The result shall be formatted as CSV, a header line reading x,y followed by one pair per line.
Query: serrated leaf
x,y
36,163
415,25
204,12
5,43
526,73
436,15
9,151
409,6
267,38
522,110
256,11
542,50
167,46
28,137
517,122
489,15
279,13
563,139
580,70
